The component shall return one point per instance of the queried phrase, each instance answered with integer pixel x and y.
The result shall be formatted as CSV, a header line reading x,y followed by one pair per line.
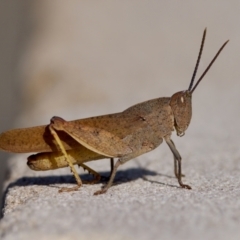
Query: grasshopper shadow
x,y
122,176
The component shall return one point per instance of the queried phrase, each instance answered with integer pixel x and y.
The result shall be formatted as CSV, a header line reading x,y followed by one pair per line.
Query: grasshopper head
x,y
181,102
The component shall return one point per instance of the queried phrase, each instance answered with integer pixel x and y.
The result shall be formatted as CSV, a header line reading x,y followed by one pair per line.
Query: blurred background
x,y
77,59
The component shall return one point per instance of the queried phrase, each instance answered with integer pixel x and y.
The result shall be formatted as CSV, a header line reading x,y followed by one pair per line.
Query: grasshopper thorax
x,y
181,104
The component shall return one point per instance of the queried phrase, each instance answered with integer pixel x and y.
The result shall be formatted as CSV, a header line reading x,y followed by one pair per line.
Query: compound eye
x,y
182,100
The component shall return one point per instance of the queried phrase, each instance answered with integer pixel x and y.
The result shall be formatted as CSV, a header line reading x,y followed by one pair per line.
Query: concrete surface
x,y
92,58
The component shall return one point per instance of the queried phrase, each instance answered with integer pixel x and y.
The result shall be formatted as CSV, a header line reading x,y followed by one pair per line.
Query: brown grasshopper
x,y
125,135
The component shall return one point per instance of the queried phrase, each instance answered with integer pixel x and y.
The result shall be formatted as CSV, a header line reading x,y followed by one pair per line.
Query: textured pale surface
x,y
113,56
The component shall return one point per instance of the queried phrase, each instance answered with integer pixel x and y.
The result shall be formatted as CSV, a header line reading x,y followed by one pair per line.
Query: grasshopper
x,y
124,135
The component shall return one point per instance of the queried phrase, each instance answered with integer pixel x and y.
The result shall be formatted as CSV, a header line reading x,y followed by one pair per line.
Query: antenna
x,y
198,60
209,66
